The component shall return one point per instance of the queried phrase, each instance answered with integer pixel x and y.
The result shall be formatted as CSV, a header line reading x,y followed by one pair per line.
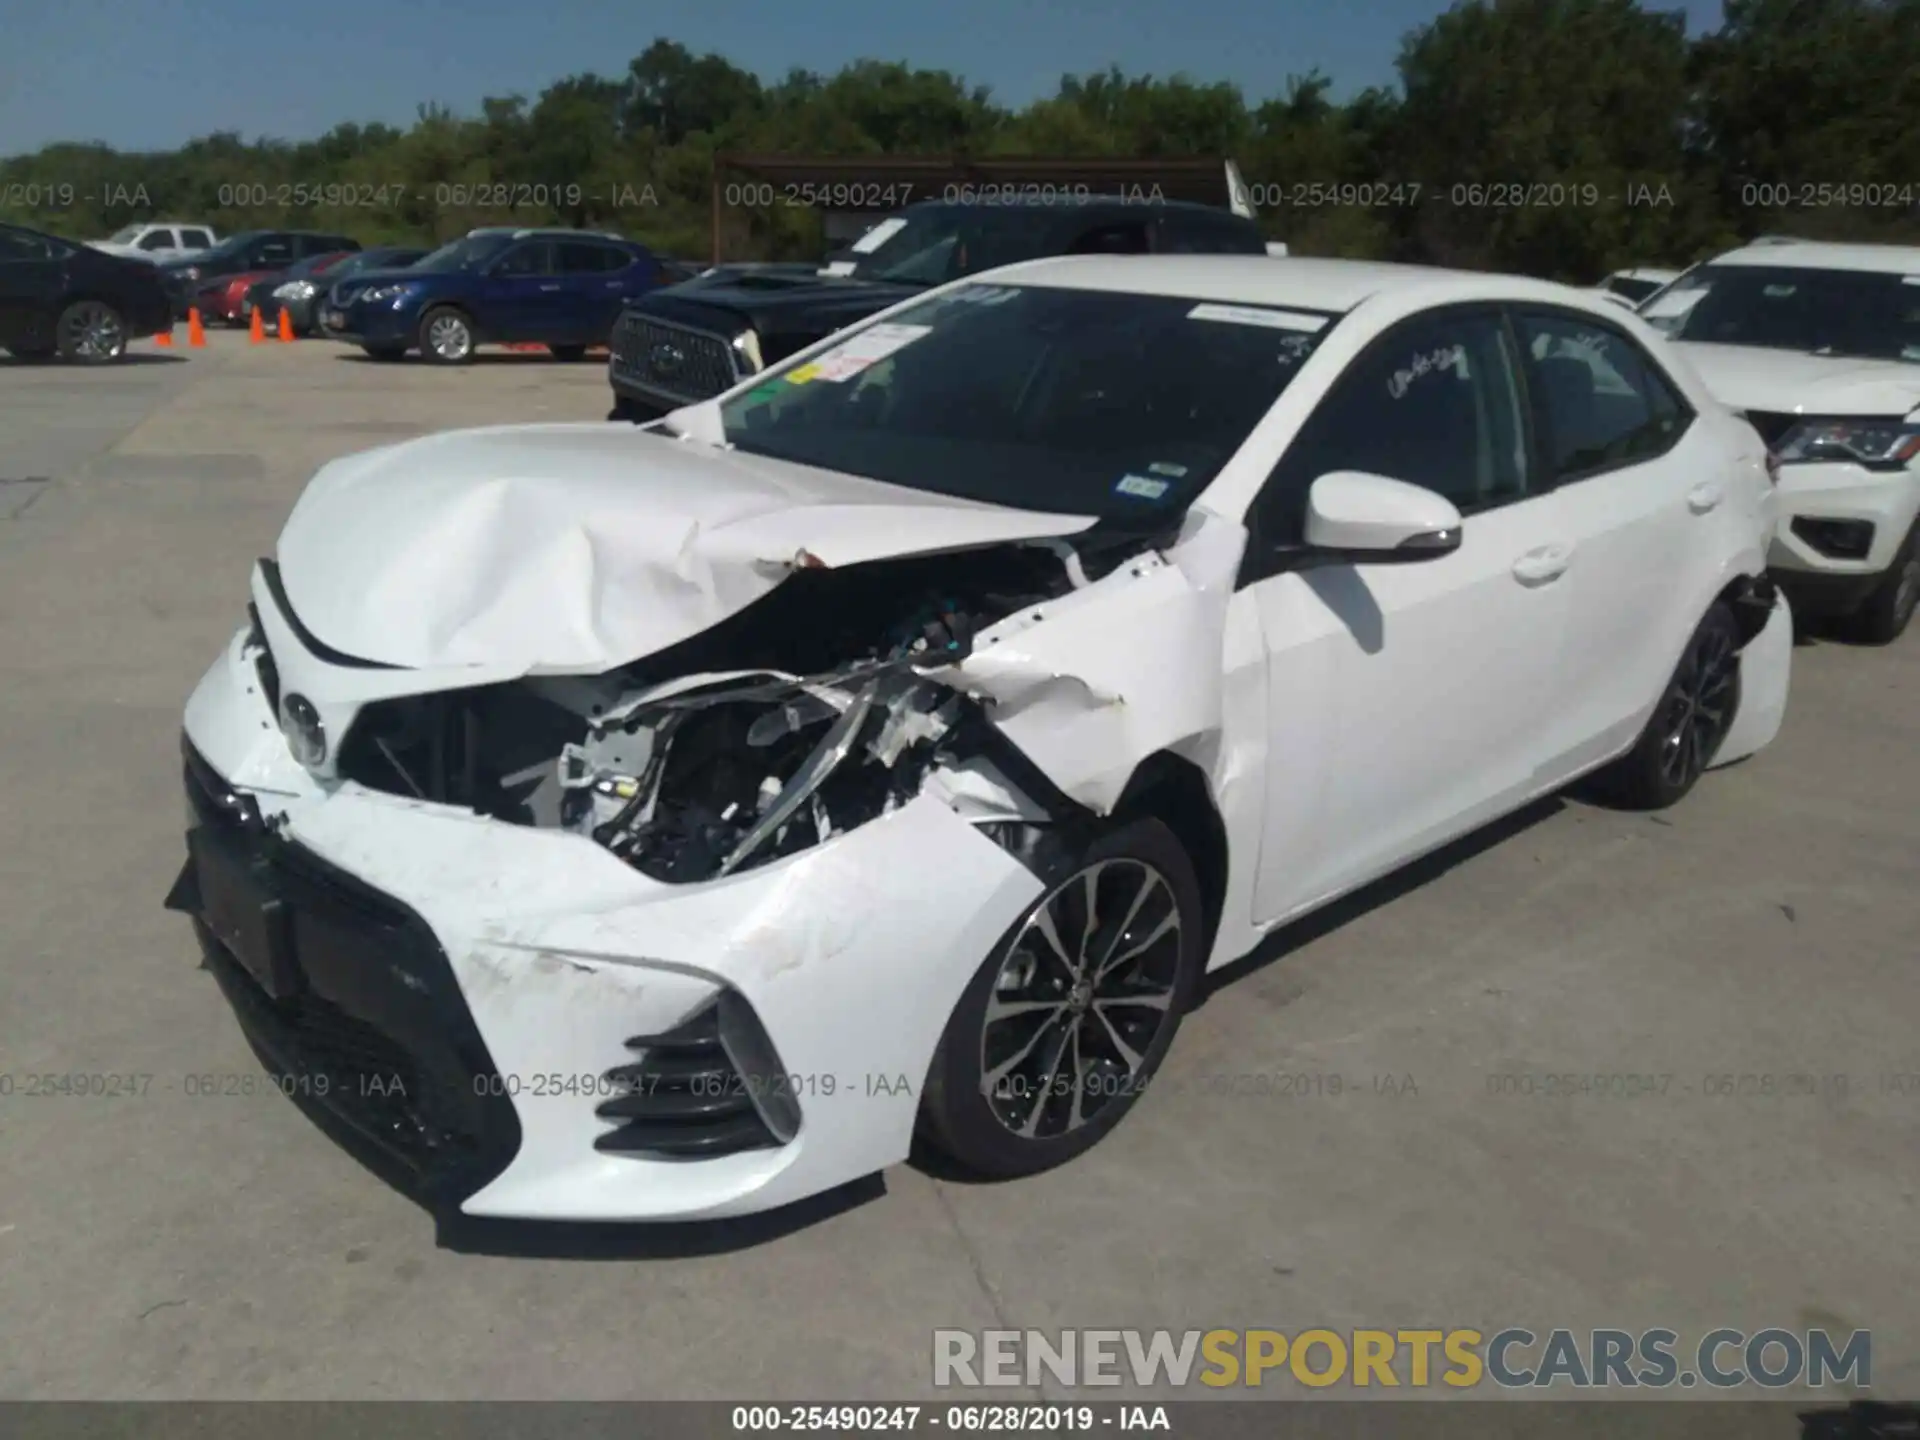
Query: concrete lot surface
x,y
183,1245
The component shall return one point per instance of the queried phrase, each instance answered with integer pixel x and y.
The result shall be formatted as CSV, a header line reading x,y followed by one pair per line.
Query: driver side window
x,y
1435,402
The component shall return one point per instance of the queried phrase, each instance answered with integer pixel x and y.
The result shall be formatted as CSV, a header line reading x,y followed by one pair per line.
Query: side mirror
x,y
1373,518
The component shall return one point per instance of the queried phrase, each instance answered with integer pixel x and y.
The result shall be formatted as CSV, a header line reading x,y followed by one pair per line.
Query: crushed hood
x,y
576,548
1790,383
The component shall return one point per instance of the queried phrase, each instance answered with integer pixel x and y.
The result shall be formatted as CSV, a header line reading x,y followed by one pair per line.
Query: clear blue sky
x,y
149,74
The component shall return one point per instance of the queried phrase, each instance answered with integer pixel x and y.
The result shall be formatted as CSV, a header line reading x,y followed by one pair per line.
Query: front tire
x,y
1687,726
446,337
1060,1030
90,332
1889,609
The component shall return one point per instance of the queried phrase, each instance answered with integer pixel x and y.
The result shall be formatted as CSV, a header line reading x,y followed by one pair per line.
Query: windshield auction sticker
x,y
1258,315
869,347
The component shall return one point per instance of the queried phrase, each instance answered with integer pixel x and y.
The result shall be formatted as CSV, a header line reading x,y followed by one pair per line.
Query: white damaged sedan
x,y
601,823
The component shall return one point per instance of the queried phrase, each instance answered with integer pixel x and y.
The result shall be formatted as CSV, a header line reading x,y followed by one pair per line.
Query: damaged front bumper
x,y
545,1008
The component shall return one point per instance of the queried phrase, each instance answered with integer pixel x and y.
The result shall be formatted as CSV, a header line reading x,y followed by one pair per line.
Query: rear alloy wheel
x,y
1688,725
90,332
1889,609
1063,1027
446,337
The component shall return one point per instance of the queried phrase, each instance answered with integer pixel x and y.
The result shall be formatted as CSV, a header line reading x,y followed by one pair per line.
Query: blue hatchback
x,y
558,288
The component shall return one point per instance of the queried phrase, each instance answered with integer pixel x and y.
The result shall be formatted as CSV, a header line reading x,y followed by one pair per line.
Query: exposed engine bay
x,y
802,716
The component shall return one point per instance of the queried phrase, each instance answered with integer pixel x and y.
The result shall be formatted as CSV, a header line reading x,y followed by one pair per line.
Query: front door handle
x,y
1543,565
1705,496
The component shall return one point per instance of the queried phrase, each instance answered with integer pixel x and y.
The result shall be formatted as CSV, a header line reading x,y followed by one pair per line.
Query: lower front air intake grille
x,y
710,1086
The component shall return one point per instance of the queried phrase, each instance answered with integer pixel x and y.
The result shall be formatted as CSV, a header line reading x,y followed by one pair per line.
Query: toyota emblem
x,y
666,358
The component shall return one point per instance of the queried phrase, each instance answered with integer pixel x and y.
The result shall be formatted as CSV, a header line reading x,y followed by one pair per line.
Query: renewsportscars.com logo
x,y
1509,1359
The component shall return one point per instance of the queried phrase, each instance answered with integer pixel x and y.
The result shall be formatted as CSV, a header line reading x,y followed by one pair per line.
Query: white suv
x,y
1819,346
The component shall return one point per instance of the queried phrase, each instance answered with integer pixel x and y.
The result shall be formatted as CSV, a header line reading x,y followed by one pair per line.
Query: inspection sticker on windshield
x,y
1167,467
869,347
1258,315
878,236
1141,486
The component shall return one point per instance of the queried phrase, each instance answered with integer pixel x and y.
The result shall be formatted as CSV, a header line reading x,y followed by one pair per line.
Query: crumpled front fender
x,y
1089,685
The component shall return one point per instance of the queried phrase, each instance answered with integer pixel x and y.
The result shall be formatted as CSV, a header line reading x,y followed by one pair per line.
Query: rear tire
x,y
1888,610
1692,718
1073,1035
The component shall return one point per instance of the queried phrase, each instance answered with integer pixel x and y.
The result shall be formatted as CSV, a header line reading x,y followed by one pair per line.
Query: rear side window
x,y
157,240
1599,401
579,257
195,239
17,246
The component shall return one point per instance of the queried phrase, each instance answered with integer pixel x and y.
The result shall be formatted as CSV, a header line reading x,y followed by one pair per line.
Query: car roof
x,y
1063,200
545,232
1789,252
1298,282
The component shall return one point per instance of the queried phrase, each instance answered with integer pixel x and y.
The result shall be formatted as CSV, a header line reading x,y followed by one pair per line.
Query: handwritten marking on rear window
x,y
1427,362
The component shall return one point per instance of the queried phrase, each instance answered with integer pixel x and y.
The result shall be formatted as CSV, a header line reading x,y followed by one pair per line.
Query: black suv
x,y
249,250
689,342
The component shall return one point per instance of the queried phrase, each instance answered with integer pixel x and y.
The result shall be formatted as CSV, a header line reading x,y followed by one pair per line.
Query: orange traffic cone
x,y
164,339
286,326
196,332
257,330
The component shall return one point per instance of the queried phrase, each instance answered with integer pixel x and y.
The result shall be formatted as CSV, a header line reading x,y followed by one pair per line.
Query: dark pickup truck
x,y
688,342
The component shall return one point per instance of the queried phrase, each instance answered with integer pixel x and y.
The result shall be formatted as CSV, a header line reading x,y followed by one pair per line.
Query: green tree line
x,y
1555,137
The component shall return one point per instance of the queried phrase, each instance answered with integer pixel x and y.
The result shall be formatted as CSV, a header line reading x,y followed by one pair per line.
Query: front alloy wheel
x,y
1079,998
446,337
91,332
1065,1024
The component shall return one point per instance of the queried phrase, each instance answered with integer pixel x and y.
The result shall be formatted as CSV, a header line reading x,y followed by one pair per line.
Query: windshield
x,y
945,242
371,260
1859,313
463,254
1633,287
126,235
1083,402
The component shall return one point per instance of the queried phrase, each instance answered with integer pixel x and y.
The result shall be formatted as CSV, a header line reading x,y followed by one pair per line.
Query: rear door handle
x,y
1705,496
1542,565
